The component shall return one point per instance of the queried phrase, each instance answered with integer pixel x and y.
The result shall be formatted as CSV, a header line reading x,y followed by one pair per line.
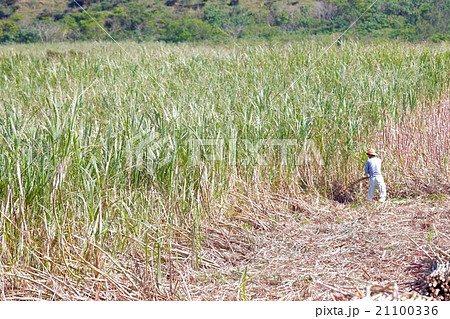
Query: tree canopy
x,y
219,20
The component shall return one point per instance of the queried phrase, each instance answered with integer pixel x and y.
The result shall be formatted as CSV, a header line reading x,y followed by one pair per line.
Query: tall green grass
x,y
96,144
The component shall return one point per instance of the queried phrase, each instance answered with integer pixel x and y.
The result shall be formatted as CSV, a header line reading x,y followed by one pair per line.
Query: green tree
x,y
7,8
189,30
216,15
8,31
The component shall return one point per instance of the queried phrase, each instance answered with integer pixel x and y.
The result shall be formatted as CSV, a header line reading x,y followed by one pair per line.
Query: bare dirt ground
x,y
280,249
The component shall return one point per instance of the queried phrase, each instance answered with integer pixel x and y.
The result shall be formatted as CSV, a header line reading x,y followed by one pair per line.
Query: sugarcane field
x,y
313,165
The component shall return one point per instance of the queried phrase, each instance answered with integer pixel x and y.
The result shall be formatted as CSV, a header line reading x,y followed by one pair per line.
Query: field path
x,y
323,252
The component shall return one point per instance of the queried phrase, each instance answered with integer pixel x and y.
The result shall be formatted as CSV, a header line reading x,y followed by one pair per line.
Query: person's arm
x,y
366,169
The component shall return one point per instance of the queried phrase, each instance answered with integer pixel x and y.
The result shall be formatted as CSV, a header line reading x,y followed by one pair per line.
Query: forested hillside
x,y
220,20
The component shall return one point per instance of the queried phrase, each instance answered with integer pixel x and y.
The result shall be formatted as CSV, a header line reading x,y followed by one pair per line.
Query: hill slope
x,y
217,20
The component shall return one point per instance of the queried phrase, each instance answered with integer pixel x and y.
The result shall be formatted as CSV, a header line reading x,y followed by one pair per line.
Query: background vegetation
x,y
220,20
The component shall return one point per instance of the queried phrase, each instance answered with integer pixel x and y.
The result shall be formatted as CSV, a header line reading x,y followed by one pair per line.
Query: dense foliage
x,y
195,20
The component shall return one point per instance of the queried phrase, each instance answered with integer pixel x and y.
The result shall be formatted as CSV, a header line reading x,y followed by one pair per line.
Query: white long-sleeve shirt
x,y
373,167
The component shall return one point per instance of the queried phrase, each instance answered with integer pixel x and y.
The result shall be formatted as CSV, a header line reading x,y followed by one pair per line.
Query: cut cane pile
x,y
438,281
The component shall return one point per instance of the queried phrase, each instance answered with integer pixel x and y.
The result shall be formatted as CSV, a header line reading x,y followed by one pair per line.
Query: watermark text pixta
x,y
146,148
254,152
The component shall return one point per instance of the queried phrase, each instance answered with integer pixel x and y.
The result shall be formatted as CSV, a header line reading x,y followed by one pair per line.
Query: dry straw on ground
x,y
270,247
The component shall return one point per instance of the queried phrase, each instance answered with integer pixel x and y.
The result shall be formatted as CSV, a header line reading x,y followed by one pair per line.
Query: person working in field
x,y
373,168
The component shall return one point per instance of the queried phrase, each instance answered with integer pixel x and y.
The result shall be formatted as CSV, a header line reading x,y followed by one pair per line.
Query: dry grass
x,y
416,151
322,251
29,9
277,247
